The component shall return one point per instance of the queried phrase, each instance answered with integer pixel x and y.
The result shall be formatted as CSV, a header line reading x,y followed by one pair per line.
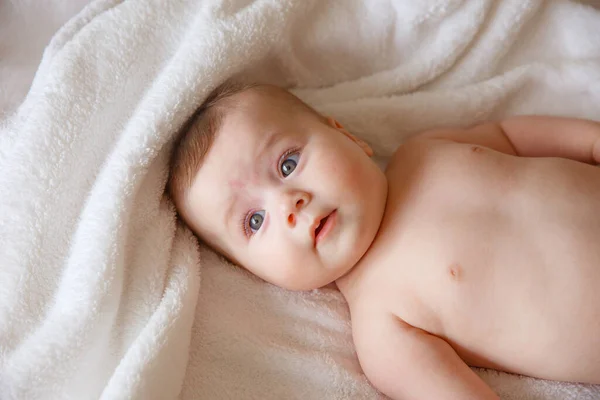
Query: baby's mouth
x,y
324,227
320,226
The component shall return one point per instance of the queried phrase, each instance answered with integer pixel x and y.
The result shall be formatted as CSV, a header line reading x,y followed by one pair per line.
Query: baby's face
x,y
292,198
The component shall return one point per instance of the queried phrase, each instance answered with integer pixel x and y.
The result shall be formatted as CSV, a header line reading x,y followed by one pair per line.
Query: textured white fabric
x,y
103,295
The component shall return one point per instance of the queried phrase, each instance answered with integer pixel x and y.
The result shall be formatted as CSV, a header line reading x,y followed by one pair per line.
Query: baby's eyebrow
x,y
232,203
233,199
272,138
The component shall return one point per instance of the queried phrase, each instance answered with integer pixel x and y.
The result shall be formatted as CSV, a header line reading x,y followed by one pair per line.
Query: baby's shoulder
x,y
415,148
371,330
368,317
369,307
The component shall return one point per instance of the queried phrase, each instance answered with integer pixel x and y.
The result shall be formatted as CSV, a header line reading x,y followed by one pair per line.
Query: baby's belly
x,y
507,269
538,325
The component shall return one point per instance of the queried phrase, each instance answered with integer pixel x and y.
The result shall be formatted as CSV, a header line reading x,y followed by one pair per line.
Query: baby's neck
x,y
349,284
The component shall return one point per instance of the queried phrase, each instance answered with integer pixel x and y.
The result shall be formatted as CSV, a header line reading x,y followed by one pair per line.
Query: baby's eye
x,y
256,220
289,164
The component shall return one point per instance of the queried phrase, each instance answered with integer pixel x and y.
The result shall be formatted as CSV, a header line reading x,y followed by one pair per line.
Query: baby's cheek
x,y
352,175
276,261
341,169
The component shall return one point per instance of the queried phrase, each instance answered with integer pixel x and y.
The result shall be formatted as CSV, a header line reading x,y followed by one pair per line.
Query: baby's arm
x,y
407,363
533,136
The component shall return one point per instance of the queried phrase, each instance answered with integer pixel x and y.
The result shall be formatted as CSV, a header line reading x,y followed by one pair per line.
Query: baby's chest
x,y
435,262
464,244
444,177
449,217
418,282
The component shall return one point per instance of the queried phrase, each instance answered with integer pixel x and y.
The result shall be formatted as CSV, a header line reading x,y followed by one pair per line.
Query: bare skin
x,y
477,247
483,258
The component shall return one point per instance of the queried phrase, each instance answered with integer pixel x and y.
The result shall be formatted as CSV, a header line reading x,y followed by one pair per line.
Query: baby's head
x,y
275,187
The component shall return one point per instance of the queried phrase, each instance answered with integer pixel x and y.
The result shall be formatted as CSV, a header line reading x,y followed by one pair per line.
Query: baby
x,y
477,246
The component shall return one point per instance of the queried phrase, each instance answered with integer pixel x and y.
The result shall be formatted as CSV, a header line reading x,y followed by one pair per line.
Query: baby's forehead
x,y
252,122
251,128
251,99
268,101
230,163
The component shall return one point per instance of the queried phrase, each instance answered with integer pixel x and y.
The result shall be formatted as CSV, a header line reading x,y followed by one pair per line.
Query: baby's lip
x,y
316,224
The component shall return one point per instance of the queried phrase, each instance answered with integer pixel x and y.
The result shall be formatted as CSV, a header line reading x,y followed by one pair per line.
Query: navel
x,y
455,272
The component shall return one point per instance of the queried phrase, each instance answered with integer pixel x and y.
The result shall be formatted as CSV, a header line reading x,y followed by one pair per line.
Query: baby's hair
x,y
196,136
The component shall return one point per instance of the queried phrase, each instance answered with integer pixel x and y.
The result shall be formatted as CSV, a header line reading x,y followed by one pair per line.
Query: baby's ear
x,y
363,145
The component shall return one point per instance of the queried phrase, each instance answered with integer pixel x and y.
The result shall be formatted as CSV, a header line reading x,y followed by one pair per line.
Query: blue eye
x,y
289,164
256,220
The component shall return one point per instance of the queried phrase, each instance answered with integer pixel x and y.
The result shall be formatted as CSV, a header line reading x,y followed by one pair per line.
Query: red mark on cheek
x,y
245,183
237,184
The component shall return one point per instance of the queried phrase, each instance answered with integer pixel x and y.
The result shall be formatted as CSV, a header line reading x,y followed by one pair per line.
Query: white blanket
x,y
104,295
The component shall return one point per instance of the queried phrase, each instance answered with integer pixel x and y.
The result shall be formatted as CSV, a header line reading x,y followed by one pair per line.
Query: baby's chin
x,y
326,280
305,287
330,286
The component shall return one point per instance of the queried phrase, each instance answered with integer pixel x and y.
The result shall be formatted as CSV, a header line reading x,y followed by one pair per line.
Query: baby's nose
x,y
293,203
